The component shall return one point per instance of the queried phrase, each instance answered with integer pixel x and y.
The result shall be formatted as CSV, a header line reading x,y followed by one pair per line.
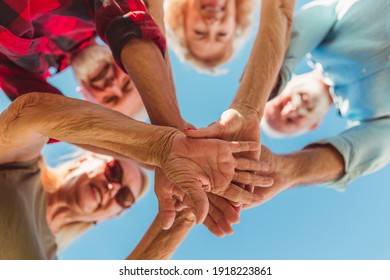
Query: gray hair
x,y
89,59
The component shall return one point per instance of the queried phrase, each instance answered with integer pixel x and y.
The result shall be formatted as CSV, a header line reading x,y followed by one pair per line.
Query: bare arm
x,y
145,64
158,244
242,120
266,57
156,10
193,165
315,164
31,119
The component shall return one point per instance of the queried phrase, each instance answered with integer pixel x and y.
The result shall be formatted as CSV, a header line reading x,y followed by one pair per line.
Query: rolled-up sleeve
x,y
118,22
311,25
365,149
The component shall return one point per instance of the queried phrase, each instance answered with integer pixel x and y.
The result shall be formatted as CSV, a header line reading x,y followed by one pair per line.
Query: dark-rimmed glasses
x,y
114,174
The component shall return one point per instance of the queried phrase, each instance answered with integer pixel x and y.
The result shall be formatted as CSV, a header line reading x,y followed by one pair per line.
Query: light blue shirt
x,y
350,39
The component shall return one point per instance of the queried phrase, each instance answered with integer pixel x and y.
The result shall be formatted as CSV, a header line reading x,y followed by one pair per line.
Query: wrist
x,y
247,111
162,144
286,165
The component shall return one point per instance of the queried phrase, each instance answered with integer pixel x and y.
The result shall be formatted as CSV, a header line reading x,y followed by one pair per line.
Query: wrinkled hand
x,y
275,171
222,214
197,166
168,196
233,125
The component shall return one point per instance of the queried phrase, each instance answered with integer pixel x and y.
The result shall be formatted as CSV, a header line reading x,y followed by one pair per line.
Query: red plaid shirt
x,y
36,35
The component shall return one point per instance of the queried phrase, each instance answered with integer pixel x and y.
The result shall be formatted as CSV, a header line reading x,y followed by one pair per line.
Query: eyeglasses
x,y
114,174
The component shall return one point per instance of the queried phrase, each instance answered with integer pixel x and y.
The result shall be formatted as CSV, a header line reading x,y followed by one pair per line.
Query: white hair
x,y
89,59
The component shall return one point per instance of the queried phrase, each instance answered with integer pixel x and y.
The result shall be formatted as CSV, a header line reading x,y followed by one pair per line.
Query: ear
x,y
83,90
314,126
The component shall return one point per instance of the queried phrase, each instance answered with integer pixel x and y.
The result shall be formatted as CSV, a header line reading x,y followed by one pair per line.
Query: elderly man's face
x,y
210,26
299,108
109,86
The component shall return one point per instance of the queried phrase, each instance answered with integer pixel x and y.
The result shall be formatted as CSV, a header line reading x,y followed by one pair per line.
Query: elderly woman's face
x,y
105,192
210,26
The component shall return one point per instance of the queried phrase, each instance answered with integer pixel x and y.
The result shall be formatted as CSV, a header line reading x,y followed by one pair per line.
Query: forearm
x,y
266,56
313,165
41,115
156,10
158,244
147,67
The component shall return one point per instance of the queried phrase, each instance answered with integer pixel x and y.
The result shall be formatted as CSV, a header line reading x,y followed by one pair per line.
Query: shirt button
x,y
52,70
364,70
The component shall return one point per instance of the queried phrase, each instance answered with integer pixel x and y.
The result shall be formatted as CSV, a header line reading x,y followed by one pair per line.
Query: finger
x,y
166,212
184,203
177,192
199,200
211,131
252,165
237,206
241,146
237,194
230,211
219,218
212,226
249,178
166,206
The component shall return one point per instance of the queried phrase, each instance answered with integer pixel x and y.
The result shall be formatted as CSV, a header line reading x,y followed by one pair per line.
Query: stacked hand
x,y
200,166
240,125
277,172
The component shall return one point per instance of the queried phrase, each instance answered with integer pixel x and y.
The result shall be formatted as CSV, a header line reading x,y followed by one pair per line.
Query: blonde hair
x,y
176,37
54,178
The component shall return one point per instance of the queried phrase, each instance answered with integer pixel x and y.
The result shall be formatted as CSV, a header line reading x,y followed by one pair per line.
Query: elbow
x,y
19,109
12,117
30,99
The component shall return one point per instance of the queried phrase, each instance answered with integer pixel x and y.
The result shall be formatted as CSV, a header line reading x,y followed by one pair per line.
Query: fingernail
x,y
268,182
235,204
189,129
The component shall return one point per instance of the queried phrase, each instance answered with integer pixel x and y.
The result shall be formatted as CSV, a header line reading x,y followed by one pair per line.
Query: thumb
x,y
166,212
199,201
212,131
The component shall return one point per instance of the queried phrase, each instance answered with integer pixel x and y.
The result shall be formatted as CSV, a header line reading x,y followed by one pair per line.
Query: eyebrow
x,y
101,74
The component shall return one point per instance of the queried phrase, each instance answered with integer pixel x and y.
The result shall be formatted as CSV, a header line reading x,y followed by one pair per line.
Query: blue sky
x,y
302,223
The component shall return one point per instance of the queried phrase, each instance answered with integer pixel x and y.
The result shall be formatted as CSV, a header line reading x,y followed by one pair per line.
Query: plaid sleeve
x,y
15,81
119,21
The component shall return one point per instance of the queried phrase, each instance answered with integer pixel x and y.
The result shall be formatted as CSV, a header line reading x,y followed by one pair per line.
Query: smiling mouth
x,y
98,195
212,8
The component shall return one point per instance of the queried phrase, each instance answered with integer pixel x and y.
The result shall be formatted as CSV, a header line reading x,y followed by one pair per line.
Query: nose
x,y
113,188
115,89
211,20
